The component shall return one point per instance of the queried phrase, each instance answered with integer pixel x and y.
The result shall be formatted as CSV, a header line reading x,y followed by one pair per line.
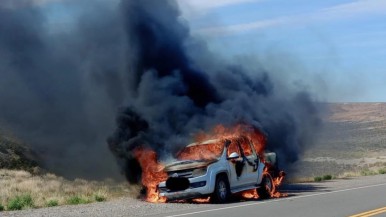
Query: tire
x,y
221,192
266,187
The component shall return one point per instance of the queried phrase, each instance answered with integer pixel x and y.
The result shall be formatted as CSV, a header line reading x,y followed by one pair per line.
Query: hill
x,y
16,155
352,139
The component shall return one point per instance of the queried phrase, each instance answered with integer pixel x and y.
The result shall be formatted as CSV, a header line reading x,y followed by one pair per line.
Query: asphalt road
x,y
357,197
364,196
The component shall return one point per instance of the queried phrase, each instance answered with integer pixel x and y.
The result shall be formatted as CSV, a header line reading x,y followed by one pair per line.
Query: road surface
x,y
367,198
357,197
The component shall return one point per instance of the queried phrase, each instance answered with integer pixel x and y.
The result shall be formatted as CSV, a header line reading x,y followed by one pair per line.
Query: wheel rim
x,y
268,184
222,189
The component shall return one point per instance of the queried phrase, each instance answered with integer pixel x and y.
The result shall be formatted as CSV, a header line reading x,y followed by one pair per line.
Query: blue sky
x,y
336,47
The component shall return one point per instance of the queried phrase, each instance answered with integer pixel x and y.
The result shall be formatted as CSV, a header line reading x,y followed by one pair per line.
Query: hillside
x,y
15,155
352,138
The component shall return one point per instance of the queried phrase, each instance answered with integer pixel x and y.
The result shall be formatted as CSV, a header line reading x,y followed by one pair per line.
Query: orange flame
x,y
152,173
250,194
202,152
202,200
222,132
277,181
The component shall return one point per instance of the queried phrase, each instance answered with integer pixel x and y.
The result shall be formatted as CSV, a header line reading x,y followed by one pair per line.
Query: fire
x,y
250,194
277,181
202,200
204,152
152,173
222,132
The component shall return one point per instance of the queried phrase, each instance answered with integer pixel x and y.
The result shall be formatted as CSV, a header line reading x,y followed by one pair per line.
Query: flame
x,y
202,200
152,173
222,132
201,152
277,181
250,194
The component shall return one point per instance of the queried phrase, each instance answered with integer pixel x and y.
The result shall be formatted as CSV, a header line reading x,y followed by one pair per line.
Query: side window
x,y
233,147
246,147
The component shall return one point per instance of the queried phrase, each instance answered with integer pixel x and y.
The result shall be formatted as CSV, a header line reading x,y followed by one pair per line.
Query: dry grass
x,y
49,189
369,171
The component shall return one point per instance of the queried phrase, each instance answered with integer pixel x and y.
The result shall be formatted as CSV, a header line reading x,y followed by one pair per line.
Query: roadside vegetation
x,y
323,178
23,190
368,171
23,185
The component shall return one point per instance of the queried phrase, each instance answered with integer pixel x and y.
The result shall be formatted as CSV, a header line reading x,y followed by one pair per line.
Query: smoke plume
x,y
60,89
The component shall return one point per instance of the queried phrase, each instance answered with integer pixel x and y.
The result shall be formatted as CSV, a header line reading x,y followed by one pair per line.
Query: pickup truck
x,y
217,168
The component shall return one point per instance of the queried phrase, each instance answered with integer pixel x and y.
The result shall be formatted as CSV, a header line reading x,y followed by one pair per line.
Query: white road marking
x,y
277,200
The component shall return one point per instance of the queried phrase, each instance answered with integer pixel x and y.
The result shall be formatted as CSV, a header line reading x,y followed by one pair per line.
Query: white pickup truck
x,y
217,168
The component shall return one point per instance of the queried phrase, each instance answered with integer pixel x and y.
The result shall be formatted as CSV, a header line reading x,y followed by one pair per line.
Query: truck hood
x,y
187,164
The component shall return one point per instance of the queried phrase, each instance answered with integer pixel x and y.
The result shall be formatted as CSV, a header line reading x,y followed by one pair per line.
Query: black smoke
x,y
60,88
177,94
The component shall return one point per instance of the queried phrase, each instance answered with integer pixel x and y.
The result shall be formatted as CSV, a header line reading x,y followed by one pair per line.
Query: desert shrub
x,y
77,200
1,207
52,203
382,171
99,198
46,187
327,177
367,172
20,202
318,179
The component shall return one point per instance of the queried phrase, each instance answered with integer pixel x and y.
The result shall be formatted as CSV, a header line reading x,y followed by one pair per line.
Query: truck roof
x,y
209,141
204,142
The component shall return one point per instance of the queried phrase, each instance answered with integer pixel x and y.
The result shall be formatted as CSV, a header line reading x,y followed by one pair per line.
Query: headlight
x,y
199,172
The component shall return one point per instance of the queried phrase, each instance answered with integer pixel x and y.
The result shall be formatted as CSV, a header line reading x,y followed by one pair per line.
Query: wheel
x,y
266,187
221,192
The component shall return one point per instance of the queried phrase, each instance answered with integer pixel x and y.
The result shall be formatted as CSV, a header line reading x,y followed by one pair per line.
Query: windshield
x,y
209,151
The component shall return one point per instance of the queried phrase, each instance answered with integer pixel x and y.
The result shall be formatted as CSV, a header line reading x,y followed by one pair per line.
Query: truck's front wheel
x,y
221,192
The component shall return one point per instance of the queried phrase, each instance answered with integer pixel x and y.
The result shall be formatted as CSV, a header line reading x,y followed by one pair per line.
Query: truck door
x,y
251,162
234,179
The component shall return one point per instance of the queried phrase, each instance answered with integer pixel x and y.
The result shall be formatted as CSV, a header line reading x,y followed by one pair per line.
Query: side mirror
x,y
233,155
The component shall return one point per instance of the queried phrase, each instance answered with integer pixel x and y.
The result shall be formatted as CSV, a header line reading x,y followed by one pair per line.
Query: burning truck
x,y
213,169
219,168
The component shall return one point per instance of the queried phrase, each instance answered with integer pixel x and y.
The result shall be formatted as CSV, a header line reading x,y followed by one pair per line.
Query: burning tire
x,y
221,192
266,188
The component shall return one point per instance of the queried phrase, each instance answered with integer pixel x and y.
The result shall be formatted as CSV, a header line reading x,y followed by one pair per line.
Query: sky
x,y
335,48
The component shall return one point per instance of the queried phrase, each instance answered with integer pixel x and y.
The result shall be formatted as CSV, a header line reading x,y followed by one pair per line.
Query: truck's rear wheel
x,y
221,192
266,188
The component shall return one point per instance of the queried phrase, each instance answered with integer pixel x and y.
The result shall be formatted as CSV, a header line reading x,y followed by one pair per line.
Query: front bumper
x,y
199,187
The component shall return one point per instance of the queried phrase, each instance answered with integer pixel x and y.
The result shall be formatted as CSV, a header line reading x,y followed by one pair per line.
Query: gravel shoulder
x,y
132,207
